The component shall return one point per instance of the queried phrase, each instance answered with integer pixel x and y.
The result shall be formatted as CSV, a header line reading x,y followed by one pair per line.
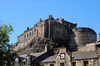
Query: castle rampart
x,y
79,37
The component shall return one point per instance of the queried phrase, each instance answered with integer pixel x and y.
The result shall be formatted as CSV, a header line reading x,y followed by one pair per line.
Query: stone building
x,y
52,28
66,58
81,39
49,28
62,58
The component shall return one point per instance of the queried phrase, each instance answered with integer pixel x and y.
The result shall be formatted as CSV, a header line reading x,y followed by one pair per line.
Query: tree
x,y
5,55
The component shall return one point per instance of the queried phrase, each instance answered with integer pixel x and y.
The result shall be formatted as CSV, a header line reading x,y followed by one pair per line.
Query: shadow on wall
x,y
72,42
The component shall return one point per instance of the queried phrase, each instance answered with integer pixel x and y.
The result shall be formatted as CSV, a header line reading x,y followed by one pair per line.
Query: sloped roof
x,y
84,55
23,57
50,59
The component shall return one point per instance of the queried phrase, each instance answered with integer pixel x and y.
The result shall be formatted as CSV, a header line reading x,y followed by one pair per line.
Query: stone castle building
x,y
58,28
81,39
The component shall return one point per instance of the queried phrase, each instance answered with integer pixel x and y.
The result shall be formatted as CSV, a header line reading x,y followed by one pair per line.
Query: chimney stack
x,y
47,47
27,28
40,20
50,17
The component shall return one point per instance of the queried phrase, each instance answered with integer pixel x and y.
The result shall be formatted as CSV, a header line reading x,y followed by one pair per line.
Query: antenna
x,y
58,13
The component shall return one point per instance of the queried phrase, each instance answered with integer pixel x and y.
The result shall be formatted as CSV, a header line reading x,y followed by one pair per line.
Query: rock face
x,y
38,45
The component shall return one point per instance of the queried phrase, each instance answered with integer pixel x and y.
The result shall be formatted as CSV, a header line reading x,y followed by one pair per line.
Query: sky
x,y
26,13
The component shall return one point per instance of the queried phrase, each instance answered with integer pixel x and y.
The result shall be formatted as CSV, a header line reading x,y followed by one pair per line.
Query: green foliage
x,y
5,55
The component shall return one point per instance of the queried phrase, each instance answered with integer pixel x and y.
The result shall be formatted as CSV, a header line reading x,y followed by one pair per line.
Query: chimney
x,y
40,20
49,17
47,47
27,28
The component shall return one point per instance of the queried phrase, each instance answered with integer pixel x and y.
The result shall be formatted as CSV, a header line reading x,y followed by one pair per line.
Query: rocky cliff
x,y
38,45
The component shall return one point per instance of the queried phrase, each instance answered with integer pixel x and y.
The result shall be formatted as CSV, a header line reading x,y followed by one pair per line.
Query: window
x,y
57,25
27,34
63,31
41,65
86,63
32,32
64,24
24,36
73,63
69,29
61,64
69,25
51,64
50,28
64,27
57,30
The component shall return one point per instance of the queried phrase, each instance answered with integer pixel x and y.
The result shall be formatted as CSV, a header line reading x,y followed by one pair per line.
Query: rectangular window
x,y
41,65
73,63
27,34
57,25
51,64
32,32
50,28
86,63
64,27
24,36
61,64
58,30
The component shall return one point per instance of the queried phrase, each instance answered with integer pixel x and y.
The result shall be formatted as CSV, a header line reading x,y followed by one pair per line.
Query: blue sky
x,y
26,13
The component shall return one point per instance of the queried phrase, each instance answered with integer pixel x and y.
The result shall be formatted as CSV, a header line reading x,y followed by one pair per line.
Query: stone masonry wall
x,y
81,36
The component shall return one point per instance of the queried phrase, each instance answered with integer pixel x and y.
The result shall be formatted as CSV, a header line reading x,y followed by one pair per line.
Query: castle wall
x,y
80,37
29,34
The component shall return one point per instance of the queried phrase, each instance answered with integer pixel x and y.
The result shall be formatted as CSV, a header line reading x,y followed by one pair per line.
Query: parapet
x,y
81,29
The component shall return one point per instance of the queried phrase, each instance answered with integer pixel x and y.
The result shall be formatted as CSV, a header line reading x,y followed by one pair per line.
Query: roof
x,y
98,43
84,55
23,57
50,59
37,54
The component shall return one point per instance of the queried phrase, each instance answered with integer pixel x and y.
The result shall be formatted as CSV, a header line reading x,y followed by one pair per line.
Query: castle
x,y
52,28
81,39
